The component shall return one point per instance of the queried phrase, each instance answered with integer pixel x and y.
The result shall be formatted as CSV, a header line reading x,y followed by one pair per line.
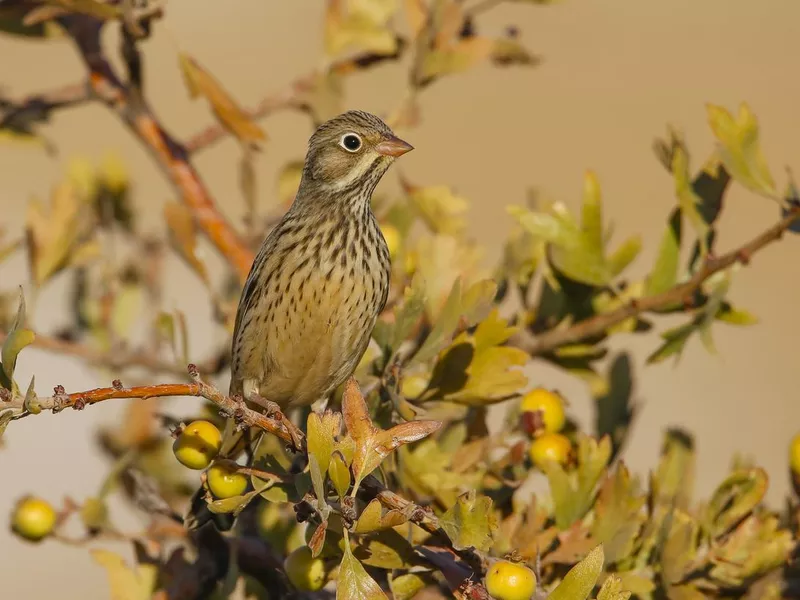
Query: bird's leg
x,y
273,410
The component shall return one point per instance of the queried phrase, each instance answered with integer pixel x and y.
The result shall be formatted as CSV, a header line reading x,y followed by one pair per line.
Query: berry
x,y
307,574
551,406
33,519
550,447
510,581
197,445
225,481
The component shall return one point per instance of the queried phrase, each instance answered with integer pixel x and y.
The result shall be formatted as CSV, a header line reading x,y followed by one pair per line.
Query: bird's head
x,y
351,152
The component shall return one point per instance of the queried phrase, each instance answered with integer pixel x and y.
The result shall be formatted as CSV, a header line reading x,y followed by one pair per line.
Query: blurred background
x,y
614,75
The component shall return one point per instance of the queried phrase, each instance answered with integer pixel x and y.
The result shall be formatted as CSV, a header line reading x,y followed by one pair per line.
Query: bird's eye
x,y
350,142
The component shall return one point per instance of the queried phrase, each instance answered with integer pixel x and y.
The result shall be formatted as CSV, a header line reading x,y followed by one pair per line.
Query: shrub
x,y
397,488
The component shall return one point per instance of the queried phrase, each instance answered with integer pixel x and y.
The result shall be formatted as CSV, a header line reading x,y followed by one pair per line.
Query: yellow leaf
x,y
360,25
201,83
53,235
441,210
456,58
416,15
183,230
125,583
740,148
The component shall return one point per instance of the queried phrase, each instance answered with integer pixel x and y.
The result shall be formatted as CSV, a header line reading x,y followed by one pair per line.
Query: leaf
x,y
320,442
734,499
581,579
573,493
740,148
360,25
455,58
665,271
183,231
318,483
612,589
470,522
440,209
200,82
54,235
354,583
125,583
17,338
372,444
673,481
339,473
410,312
372,518
5,418
289,181
674,342
688,200
618,516
509,51
407,586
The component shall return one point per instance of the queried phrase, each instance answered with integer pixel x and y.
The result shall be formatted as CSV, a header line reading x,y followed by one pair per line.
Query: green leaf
x,y
674,342
673,481
470,522
740,148
372,518
581,579
688,200
618,514
320,442
18,337
339,473
440,209
624,255
734,499
612,589
235,504
735,316
354,582
5,419
573,493
410,313
407,586
665,271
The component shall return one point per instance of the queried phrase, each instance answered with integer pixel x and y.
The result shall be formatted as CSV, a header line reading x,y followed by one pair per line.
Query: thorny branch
x,y
597,325
127,102
232,407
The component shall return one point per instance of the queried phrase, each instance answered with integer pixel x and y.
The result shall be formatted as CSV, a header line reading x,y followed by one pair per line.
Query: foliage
x,y
398,489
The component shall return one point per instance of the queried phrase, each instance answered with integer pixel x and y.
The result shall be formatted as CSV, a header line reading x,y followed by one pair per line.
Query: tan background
x,y
615,74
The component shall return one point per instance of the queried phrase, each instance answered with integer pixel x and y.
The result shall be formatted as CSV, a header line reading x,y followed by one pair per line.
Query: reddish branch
x,y
232,407
597,325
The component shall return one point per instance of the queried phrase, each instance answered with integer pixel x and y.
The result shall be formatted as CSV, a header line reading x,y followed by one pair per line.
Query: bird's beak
x,y
393,146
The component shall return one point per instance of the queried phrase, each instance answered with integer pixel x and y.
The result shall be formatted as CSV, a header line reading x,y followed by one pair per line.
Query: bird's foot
x,y
273,411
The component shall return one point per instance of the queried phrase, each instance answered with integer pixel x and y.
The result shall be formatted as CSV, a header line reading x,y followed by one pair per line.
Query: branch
x,y
127,102
232,407
288,98
111,360
597,325
37,107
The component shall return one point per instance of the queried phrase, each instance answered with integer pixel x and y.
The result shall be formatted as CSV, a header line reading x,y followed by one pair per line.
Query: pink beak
x,y
393,146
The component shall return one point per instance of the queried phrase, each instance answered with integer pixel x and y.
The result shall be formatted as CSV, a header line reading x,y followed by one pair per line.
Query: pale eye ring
x,y
351,142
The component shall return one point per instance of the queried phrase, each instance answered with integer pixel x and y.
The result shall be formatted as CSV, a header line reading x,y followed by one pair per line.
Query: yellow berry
x,y
794,454
225,481
197,445
551,406
33,519
307,574
550,447
510,581
392,237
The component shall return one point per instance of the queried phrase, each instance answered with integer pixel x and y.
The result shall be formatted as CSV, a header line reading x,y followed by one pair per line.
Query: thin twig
x,y
171,156
597,325
111,360
44,102
232,407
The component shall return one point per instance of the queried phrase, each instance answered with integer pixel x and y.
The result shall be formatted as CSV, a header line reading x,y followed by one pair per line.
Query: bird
x,y
321,277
